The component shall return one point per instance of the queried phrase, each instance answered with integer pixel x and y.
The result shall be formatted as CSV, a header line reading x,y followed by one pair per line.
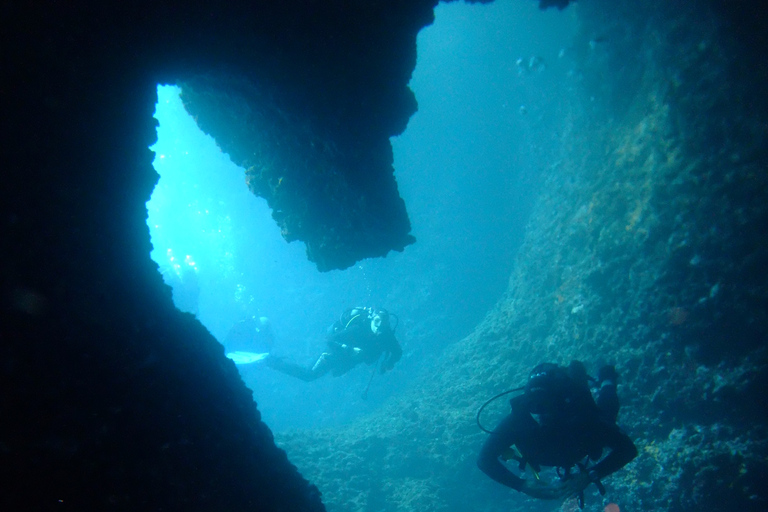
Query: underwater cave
x,y
585,183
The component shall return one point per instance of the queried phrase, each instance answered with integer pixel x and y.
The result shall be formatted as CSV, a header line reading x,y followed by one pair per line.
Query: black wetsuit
x,y
371,346
559,441
341,356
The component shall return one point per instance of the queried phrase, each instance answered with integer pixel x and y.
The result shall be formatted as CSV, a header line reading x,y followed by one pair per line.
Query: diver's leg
x,y
295,370
325,363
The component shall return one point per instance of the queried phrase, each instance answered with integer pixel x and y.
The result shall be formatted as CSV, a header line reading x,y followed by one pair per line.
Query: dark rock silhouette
x,y
111,398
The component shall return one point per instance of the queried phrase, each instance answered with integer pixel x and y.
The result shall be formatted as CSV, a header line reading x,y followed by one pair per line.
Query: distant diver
x,y
557,423
360,335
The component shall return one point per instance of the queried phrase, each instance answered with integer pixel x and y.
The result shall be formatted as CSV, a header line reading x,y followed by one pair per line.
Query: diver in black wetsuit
x,y
556,423
361,335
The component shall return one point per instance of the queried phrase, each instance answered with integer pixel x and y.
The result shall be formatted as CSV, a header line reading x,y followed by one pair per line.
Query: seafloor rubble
x,y
647,249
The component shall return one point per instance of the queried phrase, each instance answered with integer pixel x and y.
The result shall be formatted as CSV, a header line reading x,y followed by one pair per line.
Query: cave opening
x,y
200,217
489,81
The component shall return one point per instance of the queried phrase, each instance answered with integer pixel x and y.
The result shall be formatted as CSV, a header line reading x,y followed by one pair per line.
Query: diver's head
x,y
546,389
380,321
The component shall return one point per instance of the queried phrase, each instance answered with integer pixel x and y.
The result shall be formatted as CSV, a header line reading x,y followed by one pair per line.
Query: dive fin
x,y
240,357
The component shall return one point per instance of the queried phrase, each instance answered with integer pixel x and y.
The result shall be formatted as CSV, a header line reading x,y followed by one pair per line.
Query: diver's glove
x,y
607,374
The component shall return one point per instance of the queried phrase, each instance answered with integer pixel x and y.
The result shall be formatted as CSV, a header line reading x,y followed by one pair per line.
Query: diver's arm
x,y
503,437
345,340
623,450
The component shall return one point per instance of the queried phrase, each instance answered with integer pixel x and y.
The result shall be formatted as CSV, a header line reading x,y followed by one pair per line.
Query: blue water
x,y
467,167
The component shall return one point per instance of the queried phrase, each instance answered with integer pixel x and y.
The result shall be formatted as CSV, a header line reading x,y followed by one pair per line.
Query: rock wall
x,y
646,250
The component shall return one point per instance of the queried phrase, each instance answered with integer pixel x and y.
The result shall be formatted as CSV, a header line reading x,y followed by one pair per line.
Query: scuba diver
x,y
557,423
360,335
